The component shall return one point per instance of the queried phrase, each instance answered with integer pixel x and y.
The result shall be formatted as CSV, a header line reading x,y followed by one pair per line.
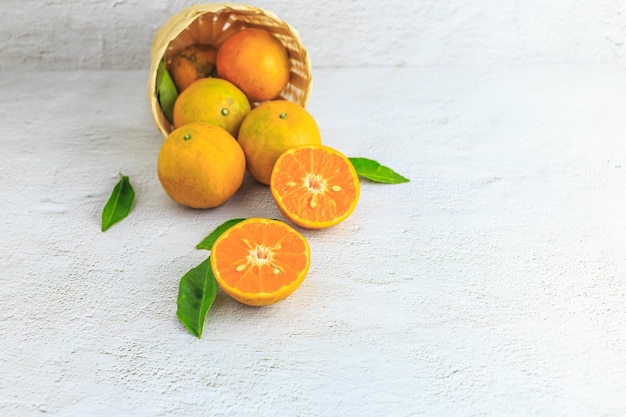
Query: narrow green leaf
x,y
166,91
196,293
120,203
374,171
208,241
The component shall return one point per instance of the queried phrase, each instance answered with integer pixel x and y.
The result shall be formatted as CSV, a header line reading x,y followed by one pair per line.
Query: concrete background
x,y
492,284
116,34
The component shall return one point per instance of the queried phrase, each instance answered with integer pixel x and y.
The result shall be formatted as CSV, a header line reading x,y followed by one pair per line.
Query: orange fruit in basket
x,y
192,63
260,261
214,101
272,128
255,61
200,165
315,186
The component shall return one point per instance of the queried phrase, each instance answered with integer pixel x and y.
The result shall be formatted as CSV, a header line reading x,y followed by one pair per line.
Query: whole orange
x,y
272,128
214,101
200,165
255,61
194,62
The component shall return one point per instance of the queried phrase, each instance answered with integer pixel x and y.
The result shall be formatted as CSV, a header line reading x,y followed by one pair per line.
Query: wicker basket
x,y
211,24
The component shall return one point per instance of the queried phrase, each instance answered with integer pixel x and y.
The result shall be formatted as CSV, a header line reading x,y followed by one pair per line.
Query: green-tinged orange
x,y
271,129
214,101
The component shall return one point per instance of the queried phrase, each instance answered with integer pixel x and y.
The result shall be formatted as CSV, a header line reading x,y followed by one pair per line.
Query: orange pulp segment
x,y
315,186
260,261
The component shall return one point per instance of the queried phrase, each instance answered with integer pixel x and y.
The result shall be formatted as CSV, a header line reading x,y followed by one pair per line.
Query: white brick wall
x,y
116,34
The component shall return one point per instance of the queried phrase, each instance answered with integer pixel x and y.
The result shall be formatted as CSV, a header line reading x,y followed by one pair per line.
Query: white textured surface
x,y
490,285
116,34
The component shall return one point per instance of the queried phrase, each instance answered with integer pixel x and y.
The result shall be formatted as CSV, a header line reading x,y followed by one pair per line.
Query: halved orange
x,y
315,186
260,261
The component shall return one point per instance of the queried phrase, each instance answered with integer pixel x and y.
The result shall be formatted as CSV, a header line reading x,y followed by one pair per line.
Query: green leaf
x,y
374,171
120,203
196,293
208,241
166,91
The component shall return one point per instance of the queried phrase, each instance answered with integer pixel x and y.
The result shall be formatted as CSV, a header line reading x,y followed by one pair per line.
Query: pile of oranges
x,y
228,117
